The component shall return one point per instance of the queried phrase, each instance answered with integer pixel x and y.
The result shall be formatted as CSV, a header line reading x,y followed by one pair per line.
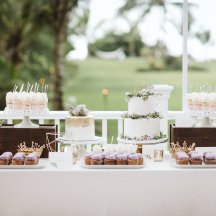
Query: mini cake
x,y
31,159
196,158
110,159
5,158
18,159
210,158
79,125
133,159
182,158
96,159
88,159
140,159
121,159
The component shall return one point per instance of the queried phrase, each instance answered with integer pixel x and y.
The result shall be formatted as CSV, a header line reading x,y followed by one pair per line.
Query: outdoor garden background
x,y
67,43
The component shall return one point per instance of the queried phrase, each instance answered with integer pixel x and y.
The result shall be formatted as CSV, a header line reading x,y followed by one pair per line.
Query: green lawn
x,y
86,80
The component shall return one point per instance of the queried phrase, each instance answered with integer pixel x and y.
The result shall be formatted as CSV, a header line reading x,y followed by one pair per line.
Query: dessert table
x,y
157,189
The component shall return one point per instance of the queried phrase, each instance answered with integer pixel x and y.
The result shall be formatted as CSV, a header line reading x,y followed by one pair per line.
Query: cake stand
x,y
81,143
26,121
143,142
206,117
96,140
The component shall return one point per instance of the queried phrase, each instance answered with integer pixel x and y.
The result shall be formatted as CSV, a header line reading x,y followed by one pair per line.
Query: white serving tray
x,y
38,166
113,166
189,166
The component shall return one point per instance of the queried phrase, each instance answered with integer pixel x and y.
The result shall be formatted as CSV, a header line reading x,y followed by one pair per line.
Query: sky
x,y
150,29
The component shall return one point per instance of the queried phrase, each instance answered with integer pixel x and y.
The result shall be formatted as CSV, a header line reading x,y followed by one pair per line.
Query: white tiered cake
x,y
142,122
79,126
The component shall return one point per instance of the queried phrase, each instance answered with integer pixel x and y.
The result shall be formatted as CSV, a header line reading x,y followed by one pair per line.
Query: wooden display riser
x,y
203,137
11,137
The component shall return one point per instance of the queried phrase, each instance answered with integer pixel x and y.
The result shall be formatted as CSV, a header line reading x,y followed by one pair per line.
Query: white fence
x,y
58,117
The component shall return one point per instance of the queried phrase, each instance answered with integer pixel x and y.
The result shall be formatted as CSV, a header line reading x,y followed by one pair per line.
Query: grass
x,y
86,79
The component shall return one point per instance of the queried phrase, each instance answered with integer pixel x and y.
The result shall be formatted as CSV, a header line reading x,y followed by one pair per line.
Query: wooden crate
x,y
11,137
203,137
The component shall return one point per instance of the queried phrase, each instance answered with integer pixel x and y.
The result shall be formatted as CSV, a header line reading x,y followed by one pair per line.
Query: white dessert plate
x,y
40,165
96,140
189,166
145,142
112,166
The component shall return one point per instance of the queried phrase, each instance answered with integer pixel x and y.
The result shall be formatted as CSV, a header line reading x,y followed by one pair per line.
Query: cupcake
x,y
32,159
110,159
196,158
87,159
18,159
5,158
182,158
133,159
121,159
140,159
96,159
210,158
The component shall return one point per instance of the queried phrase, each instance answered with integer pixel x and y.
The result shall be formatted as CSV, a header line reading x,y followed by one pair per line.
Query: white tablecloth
x,y
156,190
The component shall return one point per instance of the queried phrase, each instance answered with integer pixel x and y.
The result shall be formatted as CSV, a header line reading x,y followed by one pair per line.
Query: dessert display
x,y
79,125
114,155
201,101
20,158
195,158
31,99
142,121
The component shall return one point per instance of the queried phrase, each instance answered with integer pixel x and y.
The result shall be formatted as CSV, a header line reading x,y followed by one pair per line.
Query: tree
x,y
56,14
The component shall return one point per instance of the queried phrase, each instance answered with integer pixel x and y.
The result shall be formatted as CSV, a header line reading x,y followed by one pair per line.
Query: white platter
x,y
146,142
96,140
38,166
112,166
189,166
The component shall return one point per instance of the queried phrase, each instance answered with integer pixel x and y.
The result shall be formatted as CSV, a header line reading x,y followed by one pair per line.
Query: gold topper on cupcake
x,y
176,147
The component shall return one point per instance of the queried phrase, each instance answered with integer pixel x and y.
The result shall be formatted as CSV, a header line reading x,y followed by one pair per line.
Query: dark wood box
x,y
203,137
11,137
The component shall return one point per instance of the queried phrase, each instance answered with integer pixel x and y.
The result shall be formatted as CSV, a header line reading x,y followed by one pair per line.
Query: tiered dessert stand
x,y
26,121
206,117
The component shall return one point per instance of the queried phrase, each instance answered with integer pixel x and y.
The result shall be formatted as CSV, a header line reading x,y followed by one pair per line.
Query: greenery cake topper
x,y
144,93
79,110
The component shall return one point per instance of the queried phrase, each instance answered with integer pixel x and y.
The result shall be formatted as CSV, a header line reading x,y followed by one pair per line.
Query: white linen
x,y
156,190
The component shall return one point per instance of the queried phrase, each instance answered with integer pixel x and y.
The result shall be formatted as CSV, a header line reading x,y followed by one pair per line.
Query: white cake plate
x,y
96,140
26,121
145,142
205,115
